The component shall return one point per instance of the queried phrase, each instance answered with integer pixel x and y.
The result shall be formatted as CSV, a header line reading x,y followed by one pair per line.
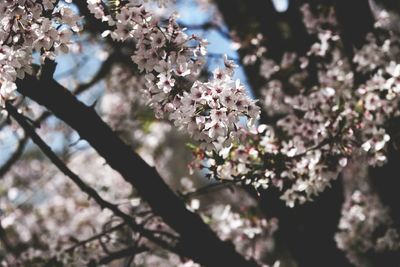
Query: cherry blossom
x,y
25,30
326,110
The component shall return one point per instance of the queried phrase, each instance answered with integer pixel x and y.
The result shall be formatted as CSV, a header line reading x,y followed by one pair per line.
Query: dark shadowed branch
x,y
192,230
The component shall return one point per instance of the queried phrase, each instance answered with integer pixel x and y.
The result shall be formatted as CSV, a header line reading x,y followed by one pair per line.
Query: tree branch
x,y
30,131
198,241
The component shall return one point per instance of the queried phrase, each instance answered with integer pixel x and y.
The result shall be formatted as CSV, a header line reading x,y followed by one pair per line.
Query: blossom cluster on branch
x,y
365,226
27,27
327,109
320,125
171,60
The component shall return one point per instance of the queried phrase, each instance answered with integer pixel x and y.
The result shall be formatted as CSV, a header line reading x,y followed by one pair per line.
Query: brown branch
x,y
197,240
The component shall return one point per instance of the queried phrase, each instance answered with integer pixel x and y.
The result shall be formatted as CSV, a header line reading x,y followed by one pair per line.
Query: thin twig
x,y
92,238
129,251
208,189
14,156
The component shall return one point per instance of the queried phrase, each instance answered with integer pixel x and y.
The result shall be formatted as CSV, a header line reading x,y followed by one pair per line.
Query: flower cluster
x,y
124,98
123,106
262,160
243,160
317,128
210,112
365,225
171,59
247,231
27,27
235,217
231,224
34,212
